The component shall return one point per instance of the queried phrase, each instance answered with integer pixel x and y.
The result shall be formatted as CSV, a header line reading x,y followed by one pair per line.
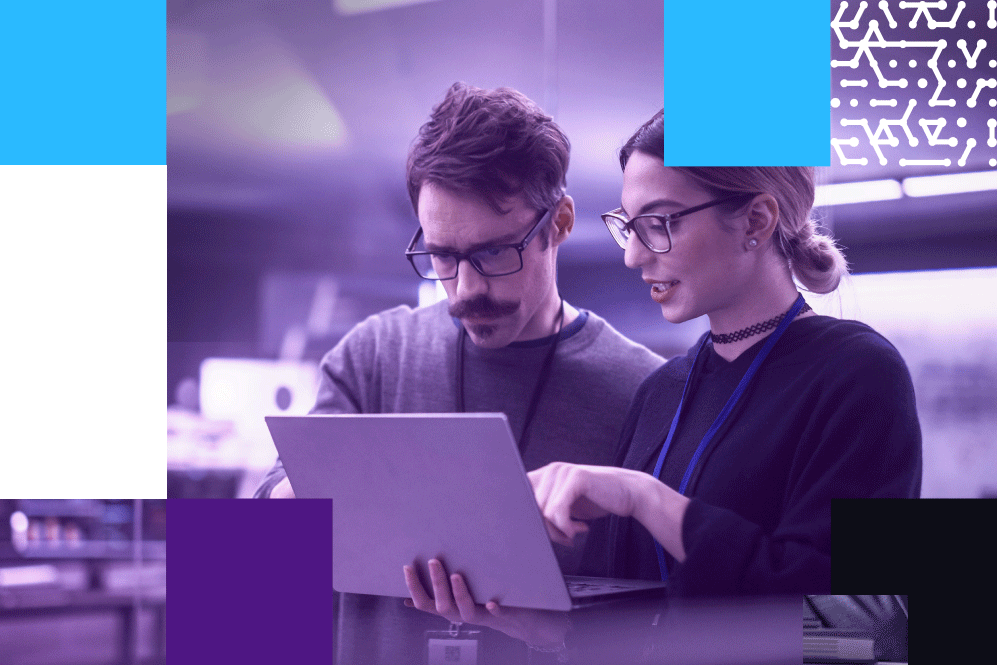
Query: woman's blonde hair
x,y
814,258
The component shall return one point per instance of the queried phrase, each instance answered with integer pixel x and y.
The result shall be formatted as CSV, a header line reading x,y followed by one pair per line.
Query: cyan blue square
x,y
747,83
84,83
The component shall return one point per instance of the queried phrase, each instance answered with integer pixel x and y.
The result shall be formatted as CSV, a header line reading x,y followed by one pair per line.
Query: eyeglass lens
x,y
651,229
491,262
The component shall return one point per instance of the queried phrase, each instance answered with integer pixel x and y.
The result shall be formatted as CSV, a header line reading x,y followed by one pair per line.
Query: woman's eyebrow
x,y
651,205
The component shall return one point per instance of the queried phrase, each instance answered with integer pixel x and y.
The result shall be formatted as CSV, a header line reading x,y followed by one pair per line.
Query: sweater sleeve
x,y
341,386
863,440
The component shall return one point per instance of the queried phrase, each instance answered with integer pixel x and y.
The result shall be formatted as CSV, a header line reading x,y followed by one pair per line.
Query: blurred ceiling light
x,y
262,95
857,192
289,112
950,183
361,6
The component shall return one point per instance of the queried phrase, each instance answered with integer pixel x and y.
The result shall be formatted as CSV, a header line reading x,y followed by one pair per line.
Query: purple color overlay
x,y
250,582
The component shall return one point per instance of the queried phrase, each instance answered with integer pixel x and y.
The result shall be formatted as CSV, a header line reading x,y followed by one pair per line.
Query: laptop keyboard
x,y
580,588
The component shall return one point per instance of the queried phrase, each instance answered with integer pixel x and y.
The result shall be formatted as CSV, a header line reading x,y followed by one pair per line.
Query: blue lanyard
x,y
724,413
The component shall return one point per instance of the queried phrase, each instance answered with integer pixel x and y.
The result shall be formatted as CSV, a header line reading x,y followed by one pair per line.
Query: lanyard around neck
x,y
537,390
724,413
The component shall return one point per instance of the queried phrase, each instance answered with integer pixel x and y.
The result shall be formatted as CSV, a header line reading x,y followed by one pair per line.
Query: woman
x,y
731,454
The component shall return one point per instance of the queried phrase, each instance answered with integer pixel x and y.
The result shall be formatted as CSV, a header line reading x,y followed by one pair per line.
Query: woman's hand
x,y
567,493
452,601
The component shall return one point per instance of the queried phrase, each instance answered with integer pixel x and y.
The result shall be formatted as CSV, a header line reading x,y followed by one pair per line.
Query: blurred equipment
x,y
243,391
837,646
854,629
71,528
226,448
82,581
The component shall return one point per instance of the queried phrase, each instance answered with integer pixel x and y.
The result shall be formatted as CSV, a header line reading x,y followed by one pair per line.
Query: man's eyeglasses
x,y
494,261
655,230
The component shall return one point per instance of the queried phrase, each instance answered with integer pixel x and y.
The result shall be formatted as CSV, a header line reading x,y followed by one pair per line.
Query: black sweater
x,y
829,414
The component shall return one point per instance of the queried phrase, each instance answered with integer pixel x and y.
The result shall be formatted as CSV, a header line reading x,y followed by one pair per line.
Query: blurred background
x,y
82,581
288,128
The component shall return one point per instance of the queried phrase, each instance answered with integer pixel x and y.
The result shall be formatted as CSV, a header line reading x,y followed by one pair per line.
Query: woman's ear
x,y
762,218
564,220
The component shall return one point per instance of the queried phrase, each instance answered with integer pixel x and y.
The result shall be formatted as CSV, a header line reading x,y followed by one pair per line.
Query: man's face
x,y
495,311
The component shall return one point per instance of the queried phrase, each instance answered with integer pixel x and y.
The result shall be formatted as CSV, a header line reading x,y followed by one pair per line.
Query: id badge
x,y
455,646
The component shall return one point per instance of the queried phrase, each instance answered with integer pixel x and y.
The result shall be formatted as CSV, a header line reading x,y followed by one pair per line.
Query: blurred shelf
x,y
79,508
149,549
83,529
36,601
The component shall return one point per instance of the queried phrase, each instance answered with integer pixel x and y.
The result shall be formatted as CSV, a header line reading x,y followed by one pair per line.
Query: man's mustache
x,y
482,307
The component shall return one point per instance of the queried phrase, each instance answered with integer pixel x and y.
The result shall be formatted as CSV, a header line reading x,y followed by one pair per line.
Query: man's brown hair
x,y
493,144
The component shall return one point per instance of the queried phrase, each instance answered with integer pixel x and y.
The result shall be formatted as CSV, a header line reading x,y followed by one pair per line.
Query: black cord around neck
x,y
537,390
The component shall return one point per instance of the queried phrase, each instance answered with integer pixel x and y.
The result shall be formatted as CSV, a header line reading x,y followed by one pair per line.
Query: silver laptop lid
x,y
410,487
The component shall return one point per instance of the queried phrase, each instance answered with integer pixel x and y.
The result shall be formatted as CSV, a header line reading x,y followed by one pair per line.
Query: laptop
x,y
410,487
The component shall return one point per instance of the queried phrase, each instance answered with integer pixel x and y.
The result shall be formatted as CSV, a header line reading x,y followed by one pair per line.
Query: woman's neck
x,y
761,306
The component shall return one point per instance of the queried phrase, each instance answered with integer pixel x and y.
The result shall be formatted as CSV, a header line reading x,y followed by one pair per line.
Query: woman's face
x,y
704,272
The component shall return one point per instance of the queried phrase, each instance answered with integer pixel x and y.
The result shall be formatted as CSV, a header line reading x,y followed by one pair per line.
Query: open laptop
x,y
410,487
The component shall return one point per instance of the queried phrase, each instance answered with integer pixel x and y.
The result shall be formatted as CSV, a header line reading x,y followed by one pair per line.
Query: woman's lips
x,y
661,291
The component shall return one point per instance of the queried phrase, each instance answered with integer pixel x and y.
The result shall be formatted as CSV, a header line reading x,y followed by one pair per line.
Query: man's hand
x,y
539,628
282,490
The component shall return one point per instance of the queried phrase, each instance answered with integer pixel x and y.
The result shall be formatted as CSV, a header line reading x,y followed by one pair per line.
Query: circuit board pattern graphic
x,y
914,86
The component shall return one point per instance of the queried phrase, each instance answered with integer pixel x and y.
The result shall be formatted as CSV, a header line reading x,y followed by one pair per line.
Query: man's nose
x,y
470,282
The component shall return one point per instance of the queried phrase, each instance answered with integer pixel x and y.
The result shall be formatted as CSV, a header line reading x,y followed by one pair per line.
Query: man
x,y
486,177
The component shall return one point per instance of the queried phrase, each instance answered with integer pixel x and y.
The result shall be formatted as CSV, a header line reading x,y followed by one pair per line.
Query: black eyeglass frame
x,y
630,226
411,253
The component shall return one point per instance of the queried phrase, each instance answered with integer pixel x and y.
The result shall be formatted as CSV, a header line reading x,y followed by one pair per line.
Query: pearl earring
x,y
753,243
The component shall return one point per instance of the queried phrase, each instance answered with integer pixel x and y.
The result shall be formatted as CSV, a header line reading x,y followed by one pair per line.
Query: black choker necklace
x,y
751,331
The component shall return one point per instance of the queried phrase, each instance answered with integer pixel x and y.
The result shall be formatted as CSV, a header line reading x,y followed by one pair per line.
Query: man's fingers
x,y
465,603
420,599
441,588
441,602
